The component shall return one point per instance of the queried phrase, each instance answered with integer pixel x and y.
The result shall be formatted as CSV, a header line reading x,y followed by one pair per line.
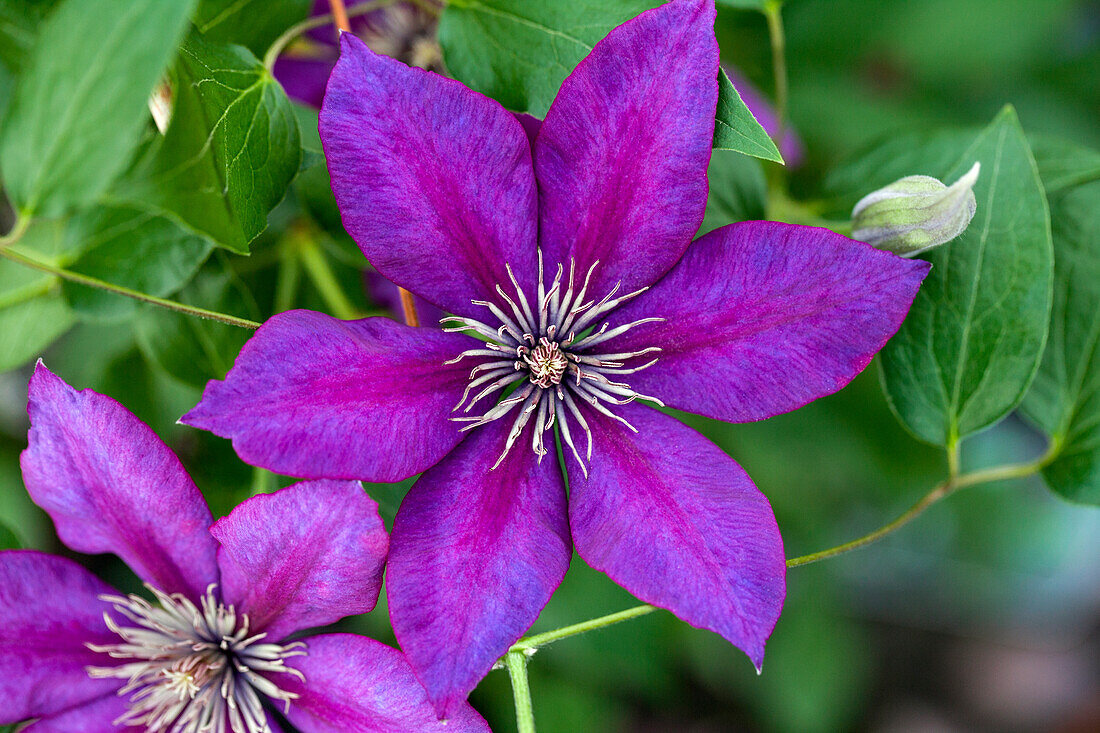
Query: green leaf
x,y
1065,399
19,20
519,52
972,341
735,128
907,153
132,247
250,23
1063,164
80,105
738,190
33,313
8,539
193,350
230,152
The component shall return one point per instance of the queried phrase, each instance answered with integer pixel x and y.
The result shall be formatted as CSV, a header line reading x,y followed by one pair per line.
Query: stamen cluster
x,y
194,670
552,346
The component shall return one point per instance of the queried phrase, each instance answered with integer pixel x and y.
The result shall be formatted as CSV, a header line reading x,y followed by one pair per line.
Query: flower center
x,y
563,334
547,363
193,669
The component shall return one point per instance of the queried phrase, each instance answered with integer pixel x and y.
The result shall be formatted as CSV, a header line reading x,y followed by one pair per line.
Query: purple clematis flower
x,y
218,649
402,30
564,246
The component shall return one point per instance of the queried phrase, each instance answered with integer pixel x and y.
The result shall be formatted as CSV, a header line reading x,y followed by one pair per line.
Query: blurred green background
x,y
983,615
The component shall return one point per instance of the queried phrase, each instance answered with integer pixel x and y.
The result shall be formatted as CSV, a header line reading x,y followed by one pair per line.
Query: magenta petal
x,y
434,181
49,610
476,552
304,556
679,524
97,716
316,397
304,79
353,683
762,318
622,156
531,126
111,485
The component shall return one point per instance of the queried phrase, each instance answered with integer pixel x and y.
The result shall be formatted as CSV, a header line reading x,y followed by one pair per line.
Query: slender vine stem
x,y
773,12
516,663
17,231
318,21
76,277
947,487
940,491
540,640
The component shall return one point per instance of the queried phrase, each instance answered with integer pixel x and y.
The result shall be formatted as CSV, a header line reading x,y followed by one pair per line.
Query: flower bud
x,y
915,213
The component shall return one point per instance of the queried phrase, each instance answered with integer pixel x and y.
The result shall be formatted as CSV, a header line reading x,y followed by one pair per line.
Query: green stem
x,y
317,21
952,449
17,231
319,271
541,640
926,501
263,481
773,12
516,663
92,282
941,491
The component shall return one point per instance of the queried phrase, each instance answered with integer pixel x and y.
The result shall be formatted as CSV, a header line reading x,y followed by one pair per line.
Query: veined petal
x,y
531,126
476,553
353,683
317,397
679,524
307,555
49,610
622,156
111,485
761,318
434,181
97,716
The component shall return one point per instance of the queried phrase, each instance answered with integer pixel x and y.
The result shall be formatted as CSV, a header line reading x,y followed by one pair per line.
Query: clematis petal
x,y
531,126
622,156
49,611
304,79
475,554
111,485
353,683
679,524
316,397
434,181
761,318
304,556
97,716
